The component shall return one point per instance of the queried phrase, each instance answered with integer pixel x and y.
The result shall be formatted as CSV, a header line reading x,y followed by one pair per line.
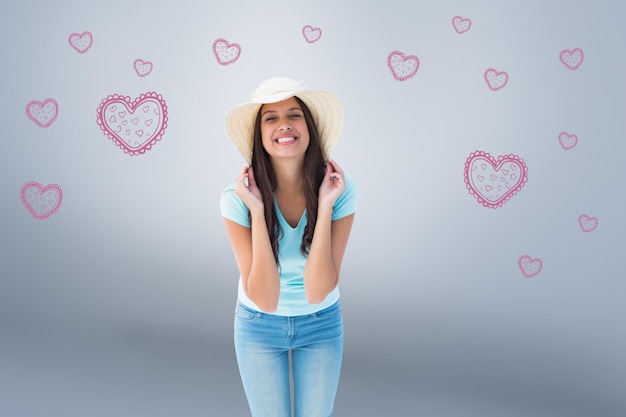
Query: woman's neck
x,y
289,177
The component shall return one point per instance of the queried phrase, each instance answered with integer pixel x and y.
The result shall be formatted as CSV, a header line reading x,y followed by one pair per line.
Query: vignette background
x,y
121,302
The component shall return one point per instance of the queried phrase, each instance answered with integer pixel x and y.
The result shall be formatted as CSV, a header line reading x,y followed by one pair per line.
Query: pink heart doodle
x,y
567,141
42,202
495,79
572,59
134,126
461,25
311,34
587,223
226,53
43,113
493,182
529,266
402,66
142,68
81,41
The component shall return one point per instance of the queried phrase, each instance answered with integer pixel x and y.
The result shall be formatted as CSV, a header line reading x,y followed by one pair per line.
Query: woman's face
x,y
284,130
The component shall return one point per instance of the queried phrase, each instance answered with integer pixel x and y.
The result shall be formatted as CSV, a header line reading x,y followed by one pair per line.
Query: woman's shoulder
x,y
232,207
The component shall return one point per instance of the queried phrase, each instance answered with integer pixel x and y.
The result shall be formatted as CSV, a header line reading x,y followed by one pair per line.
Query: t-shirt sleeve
x,y
232,207
347,202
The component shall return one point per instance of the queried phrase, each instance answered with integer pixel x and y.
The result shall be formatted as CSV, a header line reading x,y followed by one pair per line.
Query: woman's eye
x,y
270,119
295,116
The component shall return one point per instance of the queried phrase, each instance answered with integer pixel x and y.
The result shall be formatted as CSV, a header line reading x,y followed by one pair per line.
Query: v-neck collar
x,y
282,219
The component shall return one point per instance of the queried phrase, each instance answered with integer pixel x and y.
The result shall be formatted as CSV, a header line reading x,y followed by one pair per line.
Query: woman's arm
x,y
252,248
330,239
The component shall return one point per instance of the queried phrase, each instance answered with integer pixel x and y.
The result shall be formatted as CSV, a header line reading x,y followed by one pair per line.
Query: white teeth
x,y
283,140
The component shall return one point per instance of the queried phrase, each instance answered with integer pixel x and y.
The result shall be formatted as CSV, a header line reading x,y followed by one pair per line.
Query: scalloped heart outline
x,y
397,61
33,195
43,113
225,52
141,131
494,181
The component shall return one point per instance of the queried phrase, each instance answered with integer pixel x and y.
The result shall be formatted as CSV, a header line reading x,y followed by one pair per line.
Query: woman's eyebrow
x,y
276,111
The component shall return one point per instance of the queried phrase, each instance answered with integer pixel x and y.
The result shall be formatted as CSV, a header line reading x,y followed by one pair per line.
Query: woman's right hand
x,y
248,191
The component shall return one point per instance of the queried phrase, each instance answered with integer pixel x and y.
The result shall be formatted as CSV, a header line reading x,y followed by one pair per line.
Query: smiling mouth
x,y
285,140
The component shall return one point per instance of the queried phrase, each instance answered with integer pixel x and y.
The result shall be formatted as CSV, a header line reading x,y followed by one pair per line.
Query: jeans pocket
x,y
246,313
329,312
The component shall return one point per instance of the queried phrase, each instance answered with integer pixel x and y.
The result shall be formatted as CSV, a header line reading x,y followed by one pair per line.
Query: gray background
x,y
121,303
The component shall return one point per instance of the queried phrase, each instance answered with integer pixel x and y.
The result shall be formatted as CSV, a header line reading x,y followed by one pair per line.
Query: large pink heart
x,y
42,202
494,181
226,53
135,126
402,66
44,113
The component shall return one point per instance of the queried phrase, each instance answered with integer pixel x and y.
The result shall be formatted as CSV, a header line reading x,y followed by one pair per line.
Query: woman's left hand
x,y
333,184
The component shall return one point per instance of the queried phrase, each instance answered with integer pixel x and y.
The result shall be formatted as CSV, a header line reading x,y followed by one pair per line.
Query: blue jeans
x,y
263,343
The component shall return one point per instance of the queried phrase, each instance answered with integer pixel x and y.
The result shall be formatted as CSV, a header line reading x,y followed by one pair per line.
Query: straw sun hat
x,y
325,108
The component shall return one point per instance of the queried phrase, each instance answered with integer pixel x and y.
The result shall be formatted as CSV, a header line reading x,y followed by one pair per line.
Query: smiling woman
x,y
288,217
284,130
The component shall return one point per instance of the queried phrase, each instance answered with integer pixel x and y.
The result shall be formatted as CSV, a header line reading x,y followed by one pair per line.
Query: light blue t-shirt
x,y
292,300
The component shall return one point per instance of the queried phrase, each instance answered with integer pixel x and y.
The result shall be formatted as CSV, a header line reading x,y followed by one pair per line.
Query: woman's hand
x,y
332,185
248,191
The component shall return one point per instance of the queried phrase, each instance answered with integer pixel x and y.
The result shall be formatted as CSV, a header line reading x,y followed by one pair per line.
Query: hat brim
x,y
325,107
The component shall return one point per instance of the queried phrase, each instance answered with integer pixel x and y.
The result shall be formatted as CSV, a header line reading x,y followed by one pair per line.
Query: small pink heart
x,y
567,141
41,201
529,266
572,59
311,34
43,113
461,25
142,68
226,53
81,42
484,175
495,79
587,223
402,66
116,111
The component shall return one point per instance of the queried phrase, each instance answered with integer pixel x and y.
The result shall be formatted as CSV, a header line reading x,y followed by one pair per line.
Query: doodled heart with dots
x,y
133,125
572,59
311,34
142,68
530,267
402,66
225,52
494,181
81,42
567,141
496,80
43,113
41,201
461,25
587,223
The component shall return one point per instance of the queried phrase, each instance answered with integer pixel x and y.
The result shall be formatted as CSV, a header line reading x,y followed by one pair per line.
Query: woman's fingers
x,y
251,179
333,171
335,166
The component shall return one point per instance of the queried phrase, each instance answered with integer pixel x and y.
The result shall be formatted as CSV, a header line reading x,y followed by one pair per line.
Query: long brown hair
x,y
314,169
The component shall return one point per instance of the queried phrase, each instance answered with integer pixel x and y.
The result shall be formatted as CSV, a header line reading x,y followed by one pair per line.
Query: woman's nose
x,y
285,126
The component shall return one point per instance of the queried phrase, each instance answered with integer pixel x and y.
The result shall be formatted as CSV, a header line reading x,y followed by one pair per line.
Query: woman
x,y
288,217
